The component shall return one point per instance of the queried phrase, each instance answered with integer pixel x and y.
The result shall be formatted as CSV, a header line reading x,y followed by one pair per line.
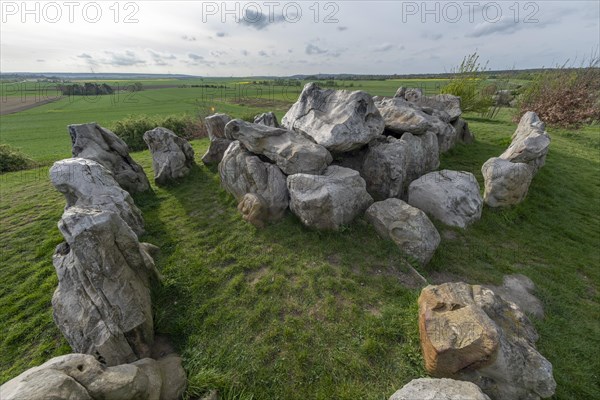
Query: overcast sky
x,y
286,38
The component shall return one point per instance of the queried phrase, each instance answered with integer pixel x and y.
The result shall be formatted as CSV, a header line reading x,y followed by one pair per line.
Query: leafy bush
x,y
468,82
566,97
13,160
132,128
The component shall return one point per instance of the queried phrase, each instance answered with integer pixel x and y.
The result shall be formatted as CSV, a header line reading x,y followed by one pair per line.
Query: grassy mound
x,y
291,313
13,160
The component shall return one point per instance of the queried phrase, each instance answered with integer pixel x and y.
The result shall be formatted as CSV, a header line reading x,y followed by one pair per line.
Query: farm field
x,y
257,316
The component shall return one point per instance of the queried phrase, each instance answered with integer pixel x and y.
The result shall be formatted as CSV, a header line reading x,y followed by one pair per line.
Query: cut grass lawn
x,y
291,313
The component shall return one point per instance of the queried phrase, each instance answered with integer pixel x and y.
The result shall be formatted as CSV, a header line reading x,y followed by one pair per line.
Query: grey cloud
x,y
123,59
189,38
40,60
198,60
220,34
263,53
504,26
312,49
259,20
342,28
218,53
195,57
432,36
384,47
84,55
245,53
161,59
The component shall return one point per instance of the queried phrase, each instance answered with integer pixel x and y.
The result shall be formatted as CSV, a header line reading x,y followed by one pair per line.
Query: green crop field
x,y
291,313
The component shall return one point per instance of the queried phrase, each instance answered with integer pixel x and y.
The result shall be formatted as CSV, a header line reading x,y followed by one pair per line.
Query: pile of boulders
x,y
337,152
507,178
102,304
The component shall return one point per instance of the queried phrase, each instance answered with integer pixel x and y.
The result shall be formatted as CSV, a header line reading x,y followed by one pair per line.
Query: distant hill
x,y
91,76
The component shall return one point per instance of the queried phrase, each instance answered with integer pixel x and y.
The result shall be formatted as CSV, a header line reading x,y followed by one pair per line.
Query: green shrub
x,y
132,128
468,82
13,160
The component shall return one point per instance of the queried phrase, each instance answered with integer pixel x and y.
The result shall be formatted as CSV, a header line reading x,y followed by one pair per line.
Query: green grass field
x,y
291,313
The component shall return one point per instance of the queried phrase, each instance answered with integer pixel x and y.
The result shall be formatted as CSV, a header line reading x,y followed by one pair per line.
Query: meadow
x,y
291,313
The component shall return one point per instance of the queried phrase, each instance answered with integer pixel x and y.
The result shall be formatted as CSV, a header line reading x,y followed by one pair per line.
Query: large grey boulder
x,y
413,94
400,116
85,183
293,152
450,196
268,119
102,304
507,178
407,226
390,164
339,120
82,377
439,389
172,156
215,127
242,172
403,116
96,143
216,149
463,133
447,103
470,333
530,142
330,200
519,289
506,183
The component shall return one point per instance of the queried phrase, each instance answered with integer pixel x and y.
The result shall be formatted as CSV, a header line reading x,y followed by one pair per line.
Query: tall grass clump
x,y
13,160
468,82
132,128
564,96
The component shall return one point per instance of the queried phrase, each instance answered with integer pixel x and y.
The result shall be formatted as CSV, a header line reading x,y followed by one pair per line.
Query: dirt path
x,y
14,104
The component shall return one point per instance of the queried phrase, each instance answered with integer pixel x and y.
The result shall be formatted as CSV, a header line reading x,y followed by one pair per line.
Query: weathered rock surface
x,y
95,143
254,209
470,333
413,94
450,196
530,142
172,156
330,200
403,116
268,119
400,116
519,289
339,120
463,133
82,377
390,164
447,103
293,152
216,149
215,125
407,226
102,304
439,389
242,172
506,183
85,183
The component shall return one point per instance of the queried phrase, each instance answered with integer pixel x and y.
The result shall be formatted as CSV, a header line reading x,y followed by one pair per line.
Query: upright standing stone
x,y
172,156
